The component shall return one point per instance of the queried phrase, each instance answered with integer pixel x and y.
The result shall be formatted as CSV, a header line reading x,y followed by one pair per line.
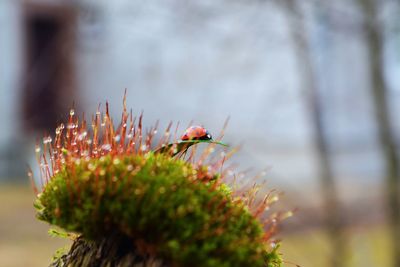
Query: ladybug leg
x,y
182,148
184,152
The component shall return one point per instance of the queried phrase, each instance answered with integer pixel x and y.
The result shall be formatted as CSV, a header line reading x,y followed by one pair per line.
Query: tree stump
x,y
111,250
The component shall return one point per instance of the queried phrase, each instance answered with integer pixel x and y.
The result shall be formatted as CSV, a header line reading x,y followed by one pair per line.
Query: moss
x,y
162,204
131,201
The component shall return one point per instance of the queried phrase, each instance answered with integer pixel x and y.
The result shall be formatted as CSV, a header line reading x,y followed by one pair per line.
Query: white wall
x,y
207,60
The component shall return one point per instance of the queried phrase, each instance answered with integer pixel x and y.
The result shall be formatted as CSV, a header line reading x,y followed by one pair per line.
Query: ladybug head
x,y
208,136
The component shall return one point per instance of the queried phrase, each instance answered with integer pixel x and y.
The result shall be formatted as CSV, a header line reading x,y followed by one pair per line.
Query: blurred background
x,y
312,88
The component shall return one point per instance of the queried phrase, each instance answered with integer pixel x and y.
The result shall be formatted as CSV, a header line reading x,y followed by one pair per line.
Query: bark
x,y
374,43
112,250
333,216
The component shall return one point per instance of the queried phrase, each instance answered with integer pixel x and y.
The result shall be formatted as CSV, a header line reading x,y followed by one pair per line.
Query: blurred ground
x,y
24,240
369,248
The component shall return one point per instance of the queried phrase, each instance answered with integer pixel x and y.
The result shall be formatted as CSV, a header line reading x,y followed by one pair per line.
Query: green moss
x,y
160,201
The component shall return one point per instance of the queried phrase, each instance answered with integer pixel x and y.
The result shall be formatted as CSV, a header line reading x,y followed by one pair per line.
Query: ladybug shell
x,y
196,133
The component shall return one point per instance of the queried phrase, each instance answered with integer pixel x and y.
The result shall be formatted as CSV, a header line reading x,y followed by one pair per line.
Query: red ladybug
x,y
196,133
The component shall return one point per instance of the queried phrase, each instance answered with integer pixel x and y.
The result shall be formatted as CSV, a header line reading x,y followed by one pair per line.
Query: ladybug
x,y
196,133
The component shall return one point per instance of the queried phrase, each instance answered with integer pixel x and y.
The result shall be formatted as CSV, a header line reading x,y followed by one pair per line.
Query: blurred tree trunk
x,y
374,42
333,216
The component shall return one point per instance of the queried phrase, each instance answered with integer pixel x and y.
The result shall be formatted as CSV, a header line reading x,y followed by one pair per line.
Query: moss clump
x,y
162,204
132,202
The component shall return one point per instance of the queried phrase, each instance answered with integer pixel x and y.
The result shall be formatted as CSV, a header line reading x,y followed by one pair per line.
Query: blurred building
x,y
38,74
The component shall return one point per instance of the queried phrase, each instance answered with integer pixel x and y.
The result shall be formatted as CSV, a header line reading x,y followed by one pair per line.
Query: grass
x,y
24,240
